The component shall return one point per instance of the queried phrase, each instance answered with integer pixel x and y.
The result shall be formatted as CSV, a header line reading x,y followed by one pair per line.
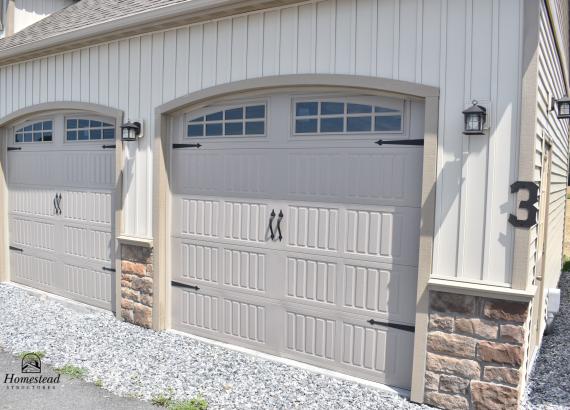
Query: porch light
x,y
475,117
130,131
563,107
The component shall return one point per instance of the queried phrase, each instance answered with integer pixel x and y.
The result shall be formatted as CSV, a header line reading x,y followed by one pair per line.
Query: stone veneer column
x,y
136,285
475,351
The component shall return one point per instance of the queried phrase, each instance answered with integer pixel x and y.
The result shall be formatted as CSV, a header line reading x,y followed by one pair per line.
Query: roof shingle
x,y
82,14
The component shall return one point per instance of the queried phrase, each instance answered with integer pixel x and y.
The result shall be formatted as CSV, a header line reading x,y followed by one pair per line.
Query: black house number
x,y
527,205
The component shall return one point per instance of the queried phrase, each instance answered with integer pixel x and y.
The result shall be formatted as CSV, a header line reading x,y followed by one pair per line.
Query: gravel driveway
x,y
549,384
135,362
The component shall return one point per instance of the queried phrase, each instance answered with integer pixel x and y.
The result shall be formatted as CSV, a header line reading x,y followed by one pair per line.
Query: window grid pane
x,y
36,132
235,121
82,129
329,117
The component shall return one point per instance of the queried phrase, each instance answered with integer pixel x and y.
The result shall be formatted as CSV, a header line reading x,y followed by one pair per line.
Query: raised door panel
x,y
34,168
34,270
31,202
376,234
87,245
90,168
222,220
233,317
386,234
33,233
349,344
385,292
378,352
230,172
335,172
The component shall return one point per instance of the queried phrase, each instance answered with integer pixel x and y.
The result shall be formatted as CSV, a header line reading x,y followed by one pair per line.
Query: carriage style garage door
x,y
295,234
61,181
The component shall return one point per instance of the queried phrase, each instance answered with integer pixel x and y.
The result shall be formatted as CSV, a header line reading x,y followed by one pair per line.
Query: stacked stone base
x,y
475,350
136,285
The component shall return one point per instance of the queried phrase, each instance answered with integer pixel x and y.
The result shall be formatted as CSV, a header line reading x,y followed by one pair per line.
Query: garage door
x,y
60,181
296,234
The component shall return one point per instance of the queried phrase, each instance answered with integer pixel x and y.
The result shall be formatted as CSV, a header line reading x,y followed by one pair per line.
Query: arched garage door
x,y
61,181
294,233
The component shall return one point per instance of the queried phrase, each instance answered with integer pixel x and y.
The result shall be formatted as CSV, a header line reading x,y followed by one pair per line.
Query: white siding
x,y
28,12
470,49
550,84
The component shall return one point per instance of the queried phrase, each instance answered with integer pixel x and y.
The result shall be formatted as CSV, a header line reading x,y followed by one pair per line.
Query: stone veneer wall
x,y
136,285
475,352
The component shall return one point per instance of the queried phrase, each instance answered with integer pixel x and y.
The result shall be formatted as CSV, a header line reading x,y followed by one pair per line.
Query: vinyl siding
x,y
550,84
467,48
560,10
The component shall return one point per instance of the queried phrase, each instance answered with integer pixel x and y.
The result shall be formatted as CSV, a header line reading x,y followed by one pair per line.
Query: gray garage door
x,y
60,181
295,234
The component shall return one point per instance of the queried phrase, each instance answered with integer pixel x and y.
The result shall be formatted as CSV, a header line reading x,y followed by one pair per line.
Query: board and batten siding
x,y
468,48
550,84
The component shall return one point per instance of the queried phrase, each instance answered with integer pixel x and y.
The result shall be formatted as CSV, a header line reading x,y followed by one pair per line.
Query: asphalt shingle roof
x,y
79,15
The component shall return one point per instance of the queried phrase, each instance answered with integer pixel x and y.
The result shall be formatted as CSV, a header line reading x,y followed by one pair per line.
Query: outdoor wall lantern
x,y
130,131
563,107
475,117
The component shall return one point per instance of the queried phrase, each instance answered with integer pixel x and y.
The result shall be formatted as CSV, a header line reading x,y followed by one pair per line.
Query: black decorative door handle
x,y
279,224
272,217
57,204
58,198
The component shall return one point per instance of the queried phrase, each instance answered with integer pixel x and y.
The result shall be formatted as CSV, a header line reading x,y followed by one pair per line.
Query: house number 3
x,y
527,205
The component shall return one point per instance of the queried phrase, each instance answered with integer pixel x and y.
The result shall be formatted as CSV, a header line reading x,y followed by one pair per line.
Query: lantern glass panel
x,y
128,134
473,122
564,108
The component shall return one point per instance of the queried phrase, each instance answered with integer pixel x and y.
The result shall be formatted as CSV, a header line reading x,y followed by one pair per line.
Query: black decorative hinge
x,y
406,328
13,248
109,146
108,269
14,148
400,142
177,146
184,285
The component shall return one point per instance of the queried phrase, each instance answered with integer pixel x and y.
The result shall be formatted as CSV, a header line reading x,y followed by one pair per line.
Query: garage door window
x,y
41,131
335,117
247,120
83,129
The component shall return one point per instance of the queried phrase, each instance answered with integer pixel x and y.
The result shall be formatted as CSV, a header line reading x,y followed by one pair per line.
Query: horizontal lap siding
x,y
560,14
551,84
465,47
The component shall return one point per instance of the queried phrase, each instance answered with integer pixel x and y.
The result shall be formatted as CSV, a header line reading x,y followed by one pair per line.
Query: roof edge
x,y
134,24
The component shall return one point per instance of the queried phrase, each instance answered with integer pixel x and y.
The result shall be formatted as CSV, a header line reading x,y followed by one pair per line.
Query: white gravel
x,y
135,362
549,383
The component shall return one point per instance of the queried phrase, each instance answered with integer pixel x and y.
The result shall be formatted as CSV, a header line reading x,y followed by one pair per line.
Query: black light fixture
x,y
563,107
475,117
130,131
